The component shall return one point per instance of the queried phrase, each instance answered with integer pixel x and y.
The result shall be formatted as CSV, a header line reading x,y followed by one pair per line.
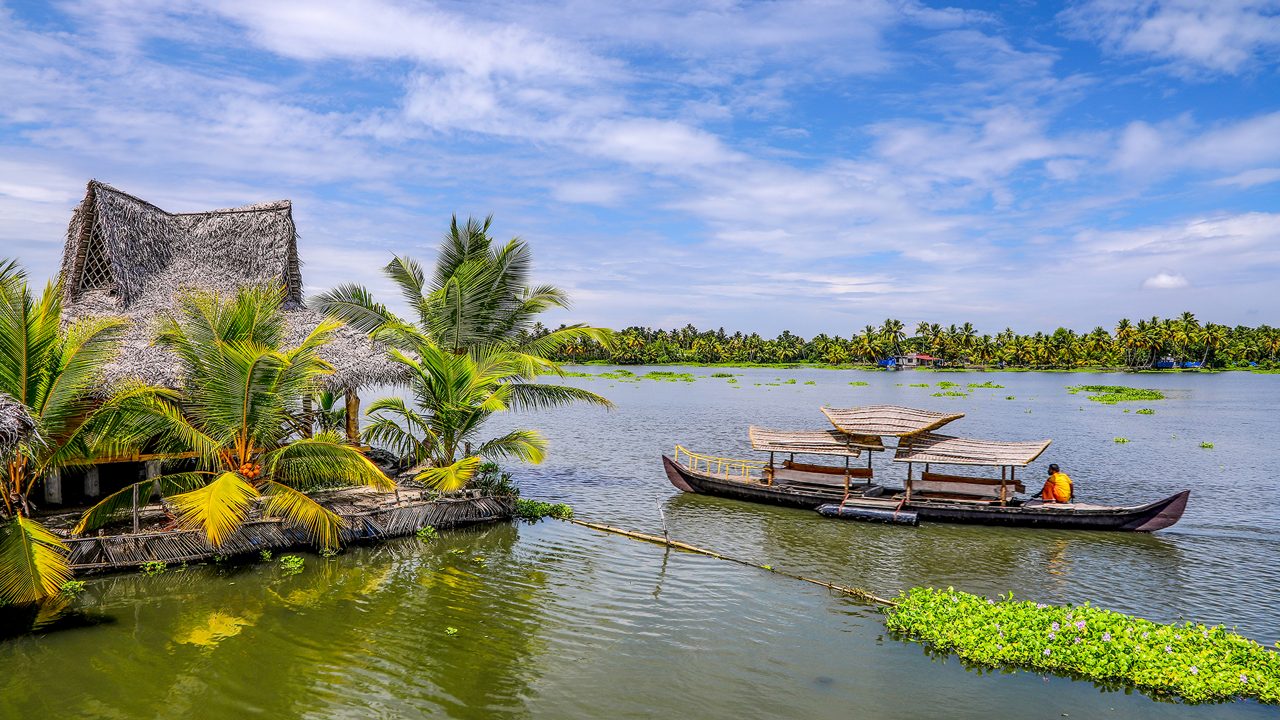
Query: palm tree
x,y
478,296
453,396
51,372
479,307
894,333
240,413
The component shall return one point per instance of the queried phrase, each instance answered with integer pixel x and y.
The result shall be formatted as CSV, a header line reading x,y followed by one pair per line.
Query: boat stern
x,y
676,475
1164,513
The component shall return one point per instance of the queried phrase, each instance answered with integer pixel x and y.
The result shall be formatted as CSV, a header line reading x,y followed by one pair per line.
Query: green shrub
x,y
265,556
153,567
1194,662
427,534
491,480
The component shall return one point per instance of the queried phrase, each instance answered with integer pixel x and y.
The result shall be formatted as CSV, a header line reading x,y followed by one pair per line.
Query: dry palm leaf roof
x,y
16,425
949,450
891,420
814,442
127,257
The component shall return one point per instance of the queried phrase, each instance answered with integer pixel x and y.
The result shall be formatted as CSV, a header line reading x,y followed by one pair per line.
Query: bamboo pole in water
x,y
854,592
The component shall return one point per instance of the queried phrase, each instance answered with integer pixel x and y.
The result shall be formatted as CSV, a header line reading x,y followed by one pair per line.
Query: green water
x,y
558,621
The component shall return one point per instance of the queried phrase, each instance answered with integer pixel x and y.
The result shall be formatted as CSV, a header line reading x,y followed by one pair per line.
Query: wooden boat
x,y
793,484
931,496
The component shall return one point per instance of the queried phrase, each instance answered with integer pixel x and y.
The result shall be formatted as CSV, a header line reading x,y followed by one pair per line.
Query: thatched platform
x,y
16,424
370,517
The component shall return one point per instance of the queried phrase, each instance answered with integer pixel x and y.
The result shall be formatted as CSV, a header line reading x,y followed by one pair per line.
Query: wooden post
x,y
353,417
846,481
53,488
92,485
909,473
1003,496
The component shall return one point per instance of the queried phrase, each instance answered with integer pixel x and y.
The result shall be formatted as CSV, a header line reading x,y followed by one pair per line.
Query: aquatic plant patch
x,y
951,393
947,384
921,384
859,383
1194,662
1112,394
1146,411
988,385
722,375
668,376
534,510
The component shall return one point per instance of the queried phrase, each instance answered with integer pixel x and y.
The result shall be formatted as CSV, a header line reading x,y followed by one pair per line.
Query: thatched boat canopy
x,y
891,420
948,450
813,442
16,424
127,257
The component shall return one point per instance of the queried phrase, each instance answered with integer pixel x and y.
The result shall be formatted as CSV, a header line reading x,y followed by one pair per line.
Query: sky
x,y
810,166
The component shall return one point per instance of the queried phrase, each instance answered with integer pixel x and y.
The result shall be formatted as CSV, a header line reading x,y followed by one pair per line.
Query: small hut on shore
x,y
16,424
126,257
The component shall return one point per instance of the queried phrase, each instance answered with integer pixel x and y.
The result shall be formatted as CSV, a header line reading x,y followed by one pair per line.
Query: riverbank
x,y
877,368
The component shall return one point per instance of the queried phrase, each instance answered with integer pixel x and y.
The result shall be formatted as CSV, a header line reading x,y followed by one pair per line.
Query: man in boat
x,y
1058,487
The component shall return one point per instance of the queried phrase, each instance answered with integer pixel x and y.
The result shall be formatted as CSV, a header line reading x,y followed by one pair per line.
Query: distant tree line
x,y
1140,344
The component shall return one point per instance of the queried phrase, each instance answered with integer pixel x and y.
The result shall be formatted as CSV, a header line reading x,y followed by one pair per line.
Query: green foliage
x,y
1112,394
153,567
71,588
1010,397
451,631
427,534
1146,411
923,385
668,376
810,382
291,564
988,385
1121,440
492,480
1194,662
722,375
1206,445
951,393
265,556
859,383
947,384
534,510
328,553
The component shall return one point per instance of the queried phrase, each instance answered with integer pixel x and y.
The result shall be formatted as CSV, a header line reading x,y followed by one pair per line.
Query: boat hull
x,y
1153,516
688,481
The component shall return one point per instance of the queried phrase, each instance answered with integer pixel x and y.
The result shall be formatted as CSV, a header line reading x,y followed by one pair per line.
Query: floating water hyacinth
x,y
1194,662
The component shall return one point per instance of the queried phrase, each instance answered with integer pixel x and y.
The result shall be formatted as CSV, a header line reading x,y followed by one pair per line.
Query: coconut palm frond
x,y
33,561
297,508
355,306
523,445
538,396
450,477
218,509
115,504
308,462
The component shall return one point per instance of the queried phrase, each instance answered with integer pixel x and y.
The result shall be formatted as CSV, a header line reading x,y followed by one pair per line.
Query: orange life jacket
x,y
1057,488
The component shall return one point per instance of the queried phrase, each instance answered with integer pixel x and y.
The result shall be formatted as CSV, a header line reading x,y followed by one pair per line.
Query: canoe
x,y
1152,516
806,496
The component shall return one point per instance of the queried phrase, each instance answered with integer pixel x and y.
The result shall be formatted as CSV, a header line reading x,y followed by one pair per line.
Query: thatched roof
x,y
948,450
813,442
16,424
891,420
127,257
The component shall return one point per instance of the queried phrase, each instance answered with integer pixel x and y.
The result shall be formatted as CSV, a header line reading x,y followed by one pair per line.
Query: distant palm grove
x,y
1137,345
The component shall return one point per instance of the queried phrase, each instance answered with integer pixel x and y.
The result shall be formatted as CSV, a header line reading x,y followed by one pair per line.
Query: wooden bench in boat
x,y
962,487
795,472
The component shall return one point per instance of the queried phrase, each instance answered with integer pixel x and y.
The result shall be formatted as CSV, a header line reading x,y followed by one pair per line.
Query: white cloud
x,y
1165,281
1250,178
1221,36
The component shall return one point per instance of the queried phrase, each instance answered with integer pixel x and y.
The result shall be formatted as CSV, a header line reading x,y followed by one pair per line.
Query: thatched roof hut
x,y
127,257
16,424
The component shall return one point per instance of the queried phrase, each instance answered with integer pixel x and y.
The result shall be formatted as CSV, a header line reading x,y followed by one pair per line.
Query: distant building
x,y
916,360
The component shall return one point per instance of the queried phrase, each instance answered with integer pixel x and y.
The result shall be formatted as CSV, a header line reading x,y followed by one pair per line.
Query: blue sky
x,y
812,166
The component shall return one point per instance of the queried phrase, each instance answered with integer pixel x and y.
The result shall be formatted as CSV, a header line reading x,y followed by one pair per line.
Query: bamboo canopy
x,y
127,257
16,424
891,420
814,442
949,450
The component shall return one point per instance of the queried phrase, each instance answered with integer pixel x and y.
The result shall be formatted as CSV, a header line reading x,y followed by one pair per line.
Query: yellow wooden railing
x,y
710,465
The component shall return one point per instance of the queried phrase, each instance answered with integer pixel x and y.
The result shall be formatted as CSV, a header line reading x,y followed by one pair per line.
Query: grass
x,y
535,510
1196,663
1112,394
